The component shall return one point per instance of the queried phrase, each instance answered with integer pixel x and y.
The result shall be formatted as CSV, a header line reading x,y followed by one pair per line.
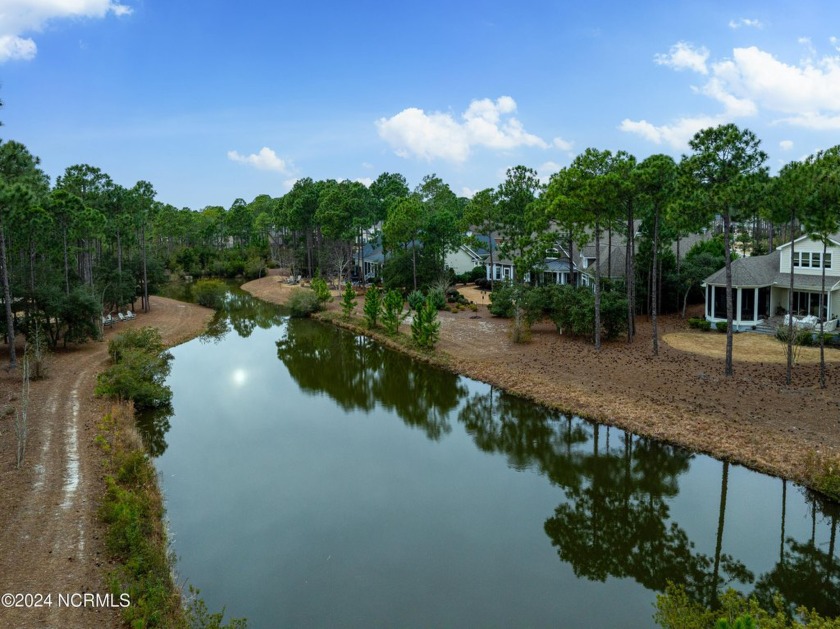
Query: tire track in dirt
x,y
53,542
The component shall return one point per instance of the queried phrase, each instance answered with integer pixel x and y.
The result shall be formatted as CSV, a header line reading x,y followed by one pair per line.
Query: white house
x,y
761,284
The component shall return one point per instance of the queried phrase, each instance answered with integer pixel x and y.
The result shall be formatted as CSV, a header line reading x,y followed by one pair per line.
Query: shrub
x,y
415,300
392,314
478,273
721,326
373,306
209,293
139,369
437,296
613,314
348,300
425,328
321,290
501,301
303,303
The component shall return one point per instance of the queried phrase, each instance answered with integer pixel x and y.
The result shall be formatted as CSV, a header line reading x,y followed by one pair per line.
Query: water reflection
x,y
615,519
359,374
153,424
620,507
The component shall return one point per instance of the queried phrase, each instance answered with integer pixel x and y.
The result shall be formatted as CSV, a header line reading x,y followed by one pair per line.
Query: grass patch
x,y
757,348
136,538
823,474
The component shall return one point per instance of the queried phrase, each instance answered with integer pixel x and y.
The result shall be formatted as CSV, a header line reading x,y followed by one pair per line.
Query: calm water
x,y
314,479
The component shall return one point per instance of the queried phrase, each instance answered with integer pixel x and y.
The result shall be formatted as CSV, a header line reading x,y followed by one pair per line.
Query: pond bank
x,y
53,539
678,397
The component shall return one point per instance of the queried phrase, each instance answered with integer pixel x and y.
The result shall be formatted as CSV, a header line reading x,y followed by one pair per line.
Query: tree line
x,y
87,245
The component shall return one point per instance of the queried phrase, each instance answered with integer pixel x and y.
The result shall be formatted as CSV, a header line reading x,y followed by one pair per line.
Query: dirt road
x,y
51,540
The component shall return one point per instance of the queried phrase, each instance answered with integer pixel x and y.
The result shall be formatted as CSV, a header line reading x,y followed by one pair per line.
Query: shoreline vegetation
x,y
680,397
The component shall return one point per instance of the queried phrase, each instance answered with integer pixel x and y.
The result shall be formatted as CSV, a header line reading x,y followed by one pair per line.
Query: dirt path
x,y
680,396
51,540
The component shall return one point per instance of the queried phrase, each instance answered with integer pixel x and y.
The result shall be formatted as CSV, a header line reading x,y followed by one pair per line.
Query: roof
x,y
751,271
764,271
835,238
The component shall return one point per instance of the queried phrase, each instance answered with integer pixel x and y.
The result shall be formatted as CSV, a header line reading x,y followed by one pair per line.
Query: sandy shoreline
x,y
679,397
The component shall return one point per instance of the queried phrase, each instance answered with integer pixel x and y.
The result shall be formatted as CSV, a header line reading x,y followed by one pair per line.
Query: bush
x,y
415,300
392,314
425,328
801,337
348,300
321,290
699,323
303,303
478,273
501,301
139,370
437,296
373,306
721,326
210,293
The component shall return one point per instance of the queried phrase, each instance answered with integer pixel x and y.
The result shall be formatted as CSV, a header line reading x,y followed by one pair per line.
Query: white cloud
x,y
12,47
266,159
563,145
486,123
786,145
469,193
676,135
365,181
547,169
753,81
745,22
684,56
18,17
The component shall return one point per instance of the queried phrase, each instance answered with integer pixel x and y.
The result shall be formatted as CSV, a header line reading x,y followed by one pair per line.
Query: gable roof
x,y
751,271
834,238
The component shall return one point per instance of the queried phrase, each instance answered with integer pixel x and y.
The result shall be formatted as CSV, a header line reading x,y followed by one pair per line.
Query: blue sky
x,y
217,100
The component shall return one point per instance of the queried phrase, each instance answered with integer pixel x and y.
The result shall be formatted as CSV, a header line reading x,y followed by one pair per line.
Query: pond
x,y
313,478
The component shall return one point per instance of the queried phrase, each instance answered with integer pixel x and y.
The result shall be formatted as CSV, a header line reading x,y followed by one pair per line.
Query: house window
x,y
498,272
827,261
796,255
805,260
507,273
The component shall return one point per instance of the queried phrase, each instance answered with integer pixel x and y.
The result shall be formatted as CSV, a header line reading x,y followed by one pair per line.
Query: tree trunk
x,y
10,323
145,276
492,270
789,372
655,282
597,286
727,220
822,320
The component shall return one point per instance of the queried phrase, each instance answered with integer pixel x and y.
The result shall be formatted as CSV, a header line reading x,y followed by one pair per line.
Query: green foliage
x,y
348,300
613,314
373,306
699,323
209,293
139,369
133,512
303,303
321,290
437,295
501,300
425,327
676,610
823,473
721,326
801,337
416,299
392,314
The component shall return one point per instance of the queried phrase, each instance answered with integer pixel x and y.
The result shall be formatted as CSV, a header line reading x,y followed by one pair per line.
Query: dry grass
x,y
752,348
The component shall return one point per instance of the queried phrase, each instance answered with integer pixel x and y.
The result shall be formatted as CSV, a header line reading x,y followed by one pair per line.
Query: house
x,y
556,268
761,284
469,254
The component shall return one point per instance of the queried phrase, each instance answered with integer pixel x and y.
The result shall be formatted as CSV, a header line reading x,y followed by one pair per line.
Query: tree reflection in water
x,y
614,519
